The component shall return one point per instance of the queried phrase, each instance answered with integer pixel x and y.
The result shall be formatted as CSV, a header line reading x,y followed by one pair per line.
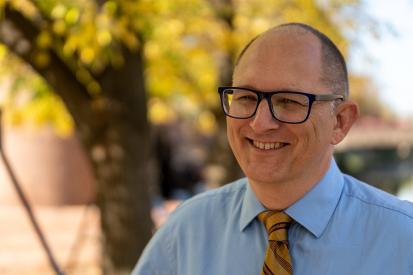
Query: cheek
x,y
315,136
232,132
322,128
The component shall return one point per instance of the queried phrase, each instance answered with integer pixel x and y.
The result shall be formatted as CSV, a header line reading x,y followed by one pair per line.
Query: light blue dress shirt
x,y
342,227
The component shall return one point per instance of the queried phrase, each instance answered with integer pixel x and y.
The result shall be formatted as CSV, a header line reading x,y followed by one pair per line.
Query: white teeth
x,y
267,145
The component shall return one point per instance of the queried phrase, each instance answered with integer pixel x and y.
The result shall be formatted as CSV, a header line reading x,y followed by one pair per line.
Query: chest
x,y
244,254
341,259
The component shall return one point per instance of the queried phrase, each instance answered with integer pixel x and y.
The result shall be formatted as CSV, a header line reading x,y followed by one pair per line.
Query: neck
x,y
281,195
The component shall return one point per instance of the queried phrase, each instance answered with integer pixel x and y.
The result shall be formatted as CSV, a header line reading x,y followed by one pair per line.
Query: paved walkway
x,y
72,233
76,247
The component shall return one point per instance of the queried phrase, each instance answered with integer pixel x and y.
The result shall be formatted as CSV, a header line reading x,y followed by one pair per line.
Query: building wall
x,y
52,170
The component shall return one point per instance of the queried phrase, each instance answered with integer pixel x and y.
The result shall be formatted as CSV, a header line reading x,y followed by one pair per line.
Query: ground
x,y
72,233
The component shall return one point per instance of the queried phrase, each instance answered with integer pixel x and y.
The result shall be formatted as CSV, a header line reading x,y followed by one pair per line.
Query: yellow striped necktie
x,y
277,257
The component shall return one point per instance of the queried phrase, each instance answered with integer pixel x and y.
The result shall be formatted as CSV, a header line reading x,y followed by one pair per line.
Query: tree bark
x,y
121,161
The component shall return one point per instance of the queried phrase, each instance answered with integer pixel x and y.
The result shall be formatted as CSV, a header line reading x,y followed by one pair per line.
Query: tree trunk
x,y
120,152
119,160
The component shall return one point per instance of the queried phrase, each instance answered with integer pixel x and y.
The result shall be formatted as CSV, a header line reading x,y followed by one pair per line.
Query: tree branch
x,y
19,34
224,10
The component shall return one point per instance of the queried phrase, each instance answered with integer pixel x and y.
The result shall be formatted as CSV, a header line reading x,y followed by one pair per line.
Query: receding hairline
x,y
333,70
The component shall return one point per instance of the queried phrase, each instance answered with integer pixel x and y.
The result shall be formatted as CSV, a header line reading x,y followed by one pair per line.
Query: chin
x,y
262,169
263,176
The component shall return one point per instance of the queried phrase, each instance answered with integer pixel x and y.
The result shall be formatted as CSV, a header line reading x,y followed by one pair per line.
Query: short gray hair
x,y
334,70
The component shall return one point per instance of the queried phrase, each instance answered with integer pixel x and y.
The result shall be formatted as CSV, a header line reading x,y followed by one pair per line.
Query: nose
x,y
263,120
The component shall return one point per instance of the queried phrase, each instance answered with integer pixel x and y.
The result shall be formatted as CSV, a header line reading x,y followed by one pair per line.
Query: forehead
x,y
281,59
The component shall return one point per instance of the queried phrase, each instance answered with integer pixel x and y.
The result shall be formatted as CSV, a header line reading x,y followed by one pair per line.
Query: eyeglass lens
x,y
286,106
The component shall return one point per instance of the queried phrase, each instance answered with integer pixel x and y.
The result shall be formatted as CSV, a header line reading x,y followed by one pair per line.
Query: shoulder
x,y
224,199
377,205
211,207
187,227
374,197
378,216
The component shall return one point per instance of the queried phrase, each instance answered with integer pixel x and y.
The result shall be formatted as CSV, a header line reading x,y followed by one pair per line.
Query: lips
x,y
267,145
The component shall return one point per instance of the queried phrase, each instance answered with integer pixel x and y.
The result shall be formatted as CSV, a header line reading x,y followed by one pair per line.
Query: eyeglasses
x,y
285,106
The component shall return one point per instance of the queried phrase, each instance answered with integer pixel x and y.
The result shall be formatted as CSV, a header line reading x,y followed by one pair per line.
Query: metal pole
x,y
27,206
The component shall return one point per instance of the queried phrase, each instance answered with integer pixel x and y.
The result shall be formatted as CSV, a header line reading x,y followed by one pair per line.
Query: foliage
x,y
184,43
29,99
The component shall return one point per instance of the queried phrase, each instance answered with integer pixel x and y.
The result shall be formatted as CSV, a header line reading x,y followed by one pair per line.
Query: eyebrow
x,y
272,90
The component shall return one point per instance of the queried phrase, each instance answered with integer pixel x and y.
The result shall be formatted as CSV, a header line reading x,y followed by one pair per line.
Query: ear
x,y
346,114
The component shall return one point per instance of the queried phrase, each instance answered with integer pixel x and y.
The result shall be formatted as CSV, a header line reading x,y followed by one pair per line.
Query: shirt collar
x,y
251,207
313,211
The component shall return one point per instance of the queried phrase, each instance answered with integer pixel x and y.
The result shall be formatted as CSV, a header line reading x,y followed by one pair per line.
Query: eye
x,y
245,97
288,101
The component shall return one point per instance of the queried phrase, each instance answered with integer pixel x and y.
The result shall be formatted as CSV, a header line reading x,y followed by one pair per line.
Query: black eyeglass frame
x,y
267,95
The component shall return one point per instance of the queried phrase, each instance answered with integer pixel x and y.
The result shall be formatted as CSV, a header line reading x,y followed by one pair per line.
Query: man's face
x,y
298,152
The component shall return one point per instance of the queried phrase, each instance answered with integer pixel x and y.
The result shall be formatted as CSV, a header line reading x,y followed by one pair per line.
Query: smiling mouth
x,y
267,145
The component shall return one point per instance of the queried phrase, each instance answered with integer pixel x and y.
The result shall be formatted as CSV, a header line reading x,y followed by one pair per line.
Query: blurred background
x,y
110,114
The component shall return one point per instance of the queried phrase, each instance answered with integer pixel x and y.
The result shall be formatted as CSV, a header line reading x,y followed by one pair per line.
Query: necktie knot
x,y
276,224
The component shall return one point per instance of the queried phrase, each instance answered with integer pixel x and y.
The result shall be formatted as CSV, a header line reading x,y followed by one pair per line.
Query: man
x,y
295,213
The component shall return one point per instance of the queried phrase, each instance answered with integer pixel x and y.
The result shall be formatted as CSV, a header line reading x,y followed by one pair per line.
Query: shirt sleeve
x,y
157,258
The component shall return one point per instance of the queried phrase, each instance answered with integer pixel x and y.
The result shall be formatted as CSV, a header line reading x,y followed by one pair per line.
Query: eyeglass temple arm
x,y
328,97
